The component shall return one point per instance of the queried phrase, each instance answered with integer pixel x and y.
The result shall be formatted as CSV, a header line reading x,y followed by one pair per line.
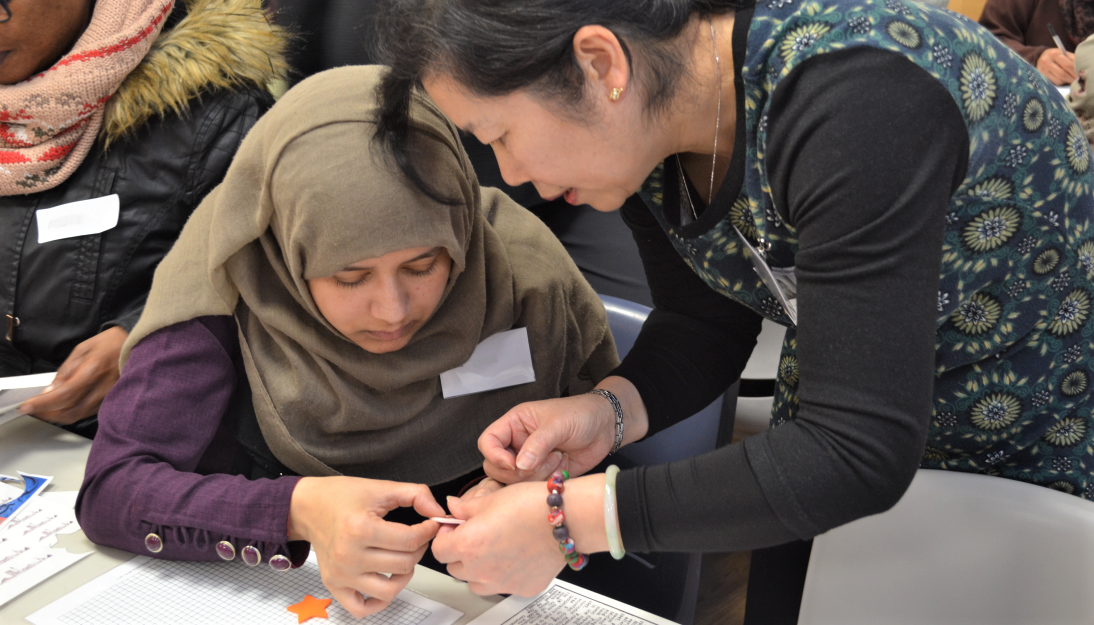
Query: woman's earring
x,y
616,92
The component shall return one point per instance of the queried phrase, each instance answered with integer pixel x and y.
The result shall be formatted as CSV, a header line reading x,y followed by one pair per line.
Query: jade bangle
x,y
611,515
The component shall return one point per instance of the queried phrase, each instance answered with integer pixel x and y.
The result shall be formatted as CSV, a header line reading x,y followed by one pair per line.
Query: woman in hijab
x,y
299,328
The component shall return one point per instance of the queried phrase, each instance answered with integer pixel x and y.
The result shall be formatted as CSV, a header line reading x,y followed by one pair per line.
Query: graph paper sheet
x,y
145,591
566,604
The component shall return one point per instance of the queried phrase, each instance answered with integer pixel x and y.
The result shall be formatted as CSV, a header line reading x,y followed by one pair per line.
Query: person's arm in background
x,y
1023,26
221,120
1008,20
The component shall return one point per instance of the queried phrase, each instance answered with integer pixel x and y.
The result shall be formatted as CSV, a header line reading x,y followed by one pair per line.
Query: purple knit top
x,y
158,462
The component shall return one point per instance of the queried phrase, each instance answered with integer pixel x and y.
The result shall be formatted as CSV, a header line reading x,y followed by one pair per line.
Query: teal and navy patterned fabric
x,y
1014,361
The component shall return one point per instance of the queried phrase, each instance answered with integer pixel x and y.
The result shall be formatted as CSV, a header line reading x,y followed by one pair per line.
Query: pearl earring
x,y
616,92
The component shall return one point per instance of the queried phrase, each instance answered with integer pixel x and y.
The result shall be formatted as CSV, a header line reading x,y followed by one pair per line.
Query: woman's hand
x,y
82,381
582,427
342,517
1057,66
506,544
487,486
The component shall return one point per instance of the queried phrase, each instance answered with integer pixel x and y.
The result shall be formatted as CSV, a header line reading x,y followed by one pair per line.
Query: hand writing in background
x,y
82,382
1057,65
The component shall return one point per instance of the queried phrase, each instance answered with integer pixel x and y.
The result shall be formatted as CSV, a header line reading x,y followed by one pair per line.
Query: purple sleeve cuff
x,y
154,428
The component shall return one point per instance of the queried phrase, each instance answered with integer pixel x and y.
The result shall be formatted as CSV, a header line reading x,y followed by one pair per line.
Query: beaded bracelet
x,y
555,517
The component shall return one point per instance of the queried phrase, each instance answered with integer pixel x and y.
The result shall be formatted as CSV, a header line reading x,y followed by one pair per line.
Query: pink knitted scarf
x,y
48,123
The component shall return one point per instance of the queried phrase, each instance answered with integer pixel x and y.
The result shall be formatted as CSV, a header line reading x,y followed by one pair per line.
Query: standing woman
x,y
887,180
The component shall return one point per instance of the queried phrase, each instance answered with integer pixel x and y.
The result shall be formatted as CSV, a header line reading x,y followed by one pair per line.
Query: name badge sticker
x,y
77,219
502,360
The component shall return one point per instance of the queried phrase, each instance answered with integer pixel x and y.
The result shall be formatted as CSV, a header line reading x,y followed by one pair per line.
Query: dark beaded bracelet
x,y
557,518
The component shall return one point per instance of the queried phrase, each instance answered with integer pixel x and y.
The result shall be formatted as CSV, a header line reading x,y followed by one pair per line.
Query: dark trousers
x,y
776,579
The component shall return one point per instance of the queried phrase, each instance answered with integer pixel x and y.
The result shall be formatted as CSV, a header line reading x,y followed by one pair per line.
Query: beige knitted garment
x,y
48,123
1081,98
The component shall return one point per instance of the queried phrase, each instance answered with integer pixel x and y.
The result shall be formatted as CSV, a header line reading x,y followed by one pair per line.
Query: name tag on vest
x,y
500,361
78,219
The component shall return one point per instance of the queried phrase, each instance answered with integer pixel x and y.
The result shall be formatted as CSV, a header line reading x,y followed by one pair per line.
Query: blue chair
x,y
695,435
735,415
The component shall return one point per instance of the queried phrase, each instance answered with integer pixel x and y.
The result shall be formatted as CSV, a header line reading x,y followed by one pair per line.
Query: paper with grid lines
x,y
146,591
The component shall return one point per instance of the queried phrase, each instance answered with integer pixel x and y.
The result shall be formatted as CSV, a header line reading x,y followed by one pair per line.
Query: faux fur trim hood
x,y
219,44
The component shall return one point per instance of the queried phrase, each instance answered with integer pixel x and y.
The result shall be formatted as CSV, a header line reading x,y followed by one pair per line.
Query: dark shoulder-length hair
x,y
496,47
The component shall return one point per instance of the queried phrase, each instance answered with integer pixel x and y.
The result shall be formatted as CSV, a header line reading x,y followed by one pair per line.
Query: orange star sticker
x,y
309,608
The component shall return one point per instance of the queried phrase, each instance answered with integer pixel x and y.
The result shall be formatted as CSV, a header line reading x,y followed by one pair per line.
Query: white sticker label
x,y
500,361
78,219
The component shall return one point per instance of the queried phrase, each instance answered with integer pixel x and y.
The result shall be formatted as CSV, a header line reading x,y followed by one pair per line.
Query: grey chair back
x,y
695,435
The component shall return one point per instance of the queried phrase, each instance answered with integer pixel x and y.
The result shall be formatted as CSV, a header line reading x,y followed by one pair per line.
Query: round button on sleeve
x,y
252,556
226,550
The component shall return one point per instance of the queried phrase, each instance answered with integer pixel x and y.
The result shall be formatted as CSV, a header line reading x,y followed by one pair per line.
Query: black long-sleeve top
x,y
865,150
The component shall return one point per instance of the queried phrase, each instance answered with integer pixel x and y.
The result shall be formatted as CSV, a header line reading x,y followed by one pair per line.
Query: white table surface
x,y
32,446
958,548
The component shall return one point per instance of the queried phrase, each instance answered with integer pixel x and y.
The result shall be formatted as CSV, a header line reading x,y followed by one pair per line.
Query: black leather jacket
x,y
64,292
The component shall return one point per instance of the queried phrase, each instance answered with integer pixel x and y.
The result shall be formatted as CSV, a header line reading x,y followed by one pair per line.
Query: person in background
x,y
299,328
145,100
1024,25
326,33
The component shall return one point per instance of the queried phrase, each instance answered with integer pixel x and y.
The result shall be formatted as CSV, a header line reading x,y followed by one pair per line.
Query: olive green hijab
x,y
310,193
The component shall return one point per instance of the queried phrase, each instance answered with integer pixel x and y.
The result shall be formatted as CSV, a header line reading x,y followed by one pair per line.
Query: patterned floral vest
x,y
1013,345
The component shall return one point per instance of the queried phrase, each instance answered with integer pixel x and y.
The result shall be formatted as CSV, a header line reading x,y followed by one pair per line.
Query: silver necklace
x,y
717,128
